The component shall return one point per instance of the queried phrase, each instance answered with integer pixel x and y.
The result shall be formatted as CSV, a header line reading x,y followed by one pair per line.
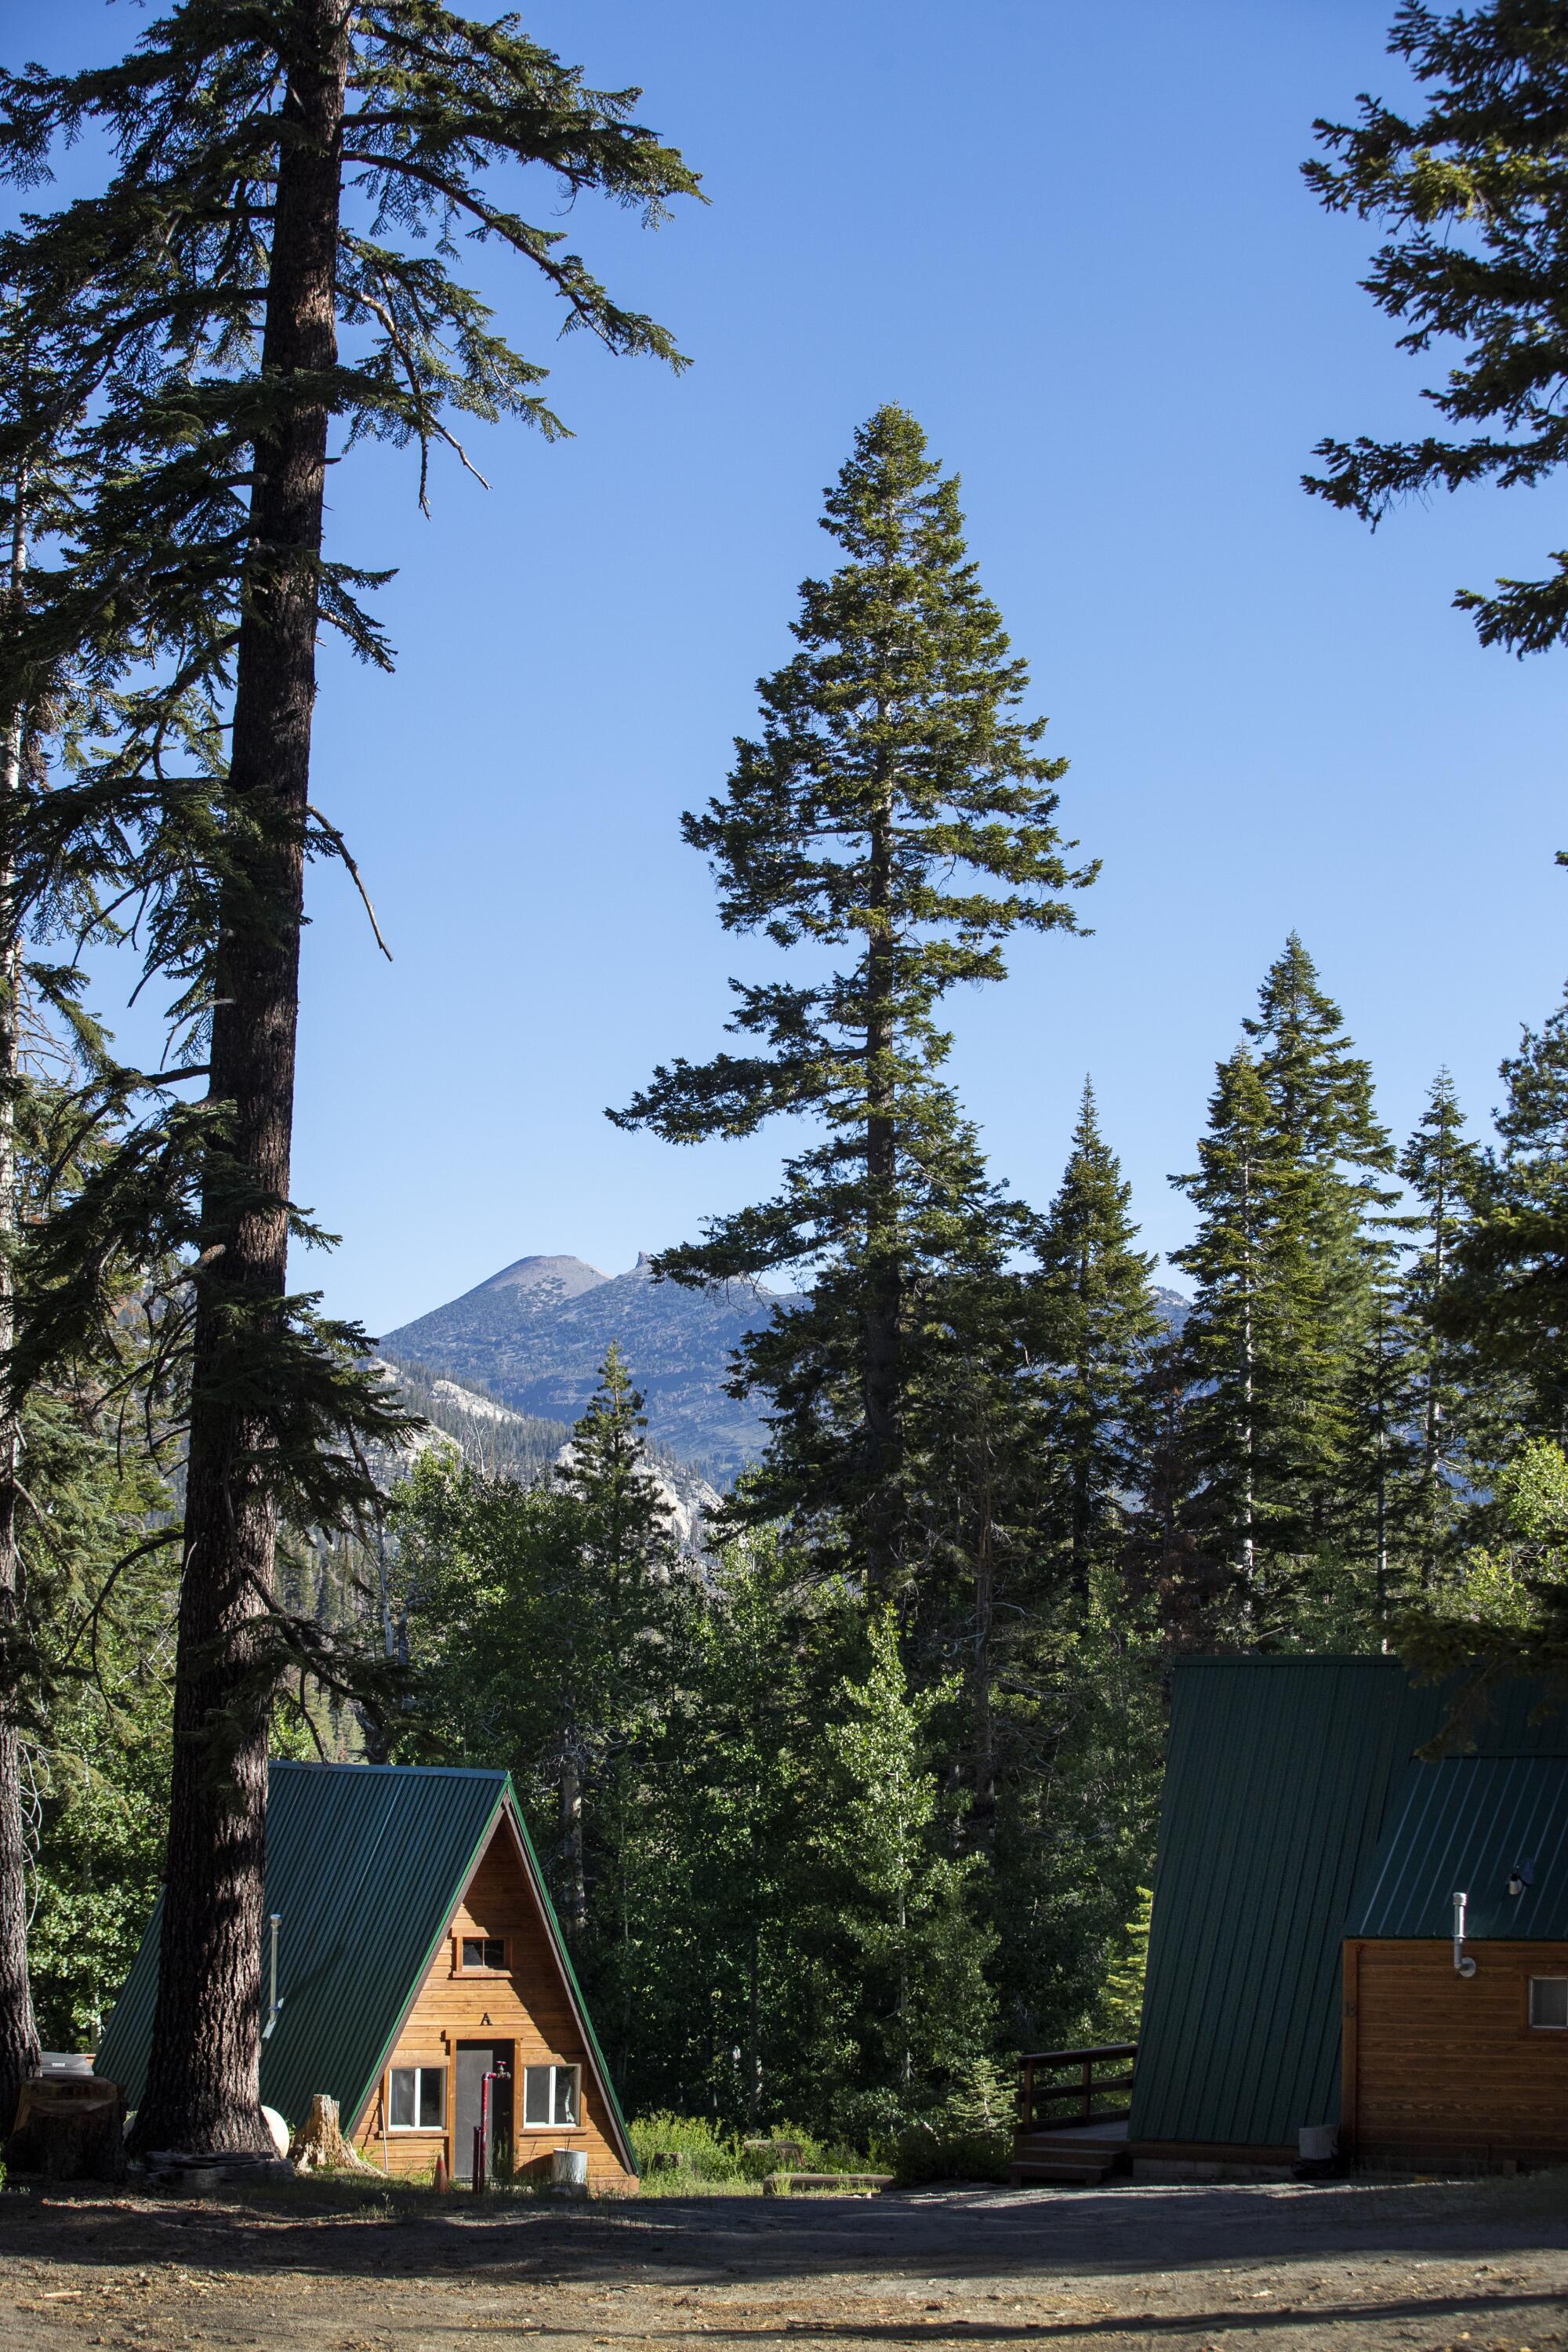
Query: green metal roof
x,y
1279,1776
1465,1824
365,1864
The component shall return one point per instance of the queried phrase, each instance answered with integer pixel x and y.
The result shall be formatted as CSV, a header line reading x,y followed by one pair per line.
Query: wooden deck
x,y
1073,2109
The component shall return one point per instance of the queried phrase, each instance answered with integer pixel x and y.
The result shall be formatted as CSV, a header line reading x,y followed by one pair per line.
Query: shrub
x,y
713,2155
710,2155
968,2138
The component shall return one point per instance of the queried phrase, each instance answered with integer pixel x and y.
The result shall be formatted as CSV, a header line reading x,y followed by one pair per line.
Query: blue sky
x,y
1074,243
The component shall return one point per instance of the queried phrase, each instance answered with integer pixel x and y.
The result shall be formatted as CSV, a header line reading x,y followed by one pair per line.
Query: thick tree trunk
x,y
19,2031
201,2088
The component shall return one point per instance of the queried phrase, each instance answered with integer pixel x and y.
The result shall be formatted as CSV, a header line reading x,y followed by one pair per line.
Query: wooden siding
x,y
1442,2068
526,2004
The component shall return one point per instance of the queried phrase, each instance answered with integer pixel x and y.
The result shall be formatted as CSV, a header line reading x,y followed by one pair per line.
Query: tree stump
x,y
68,2129
319,2145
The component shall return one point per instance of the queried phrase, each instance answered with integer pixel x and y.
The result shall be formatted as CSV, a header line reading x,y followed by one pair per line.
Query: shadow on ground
x,y
1028,2237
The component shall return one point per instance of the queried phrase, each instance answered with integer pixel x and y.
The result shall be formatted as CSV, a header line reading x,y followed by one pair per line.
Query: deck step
x,y
1077,2156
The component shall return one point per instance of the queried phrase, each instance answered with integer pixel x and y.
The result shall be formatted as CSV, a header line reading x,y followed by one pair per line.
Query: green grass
x,y
718,2163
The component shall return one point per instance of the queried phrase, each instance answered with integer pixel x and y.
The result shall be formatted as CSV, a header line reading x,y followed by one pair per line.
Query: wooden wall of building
x,y
526,2006
1440,2067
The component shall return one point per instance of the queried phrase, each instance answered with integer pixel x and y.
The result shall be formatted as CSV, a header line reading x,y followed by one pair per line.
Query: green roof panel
x,y
1465,1824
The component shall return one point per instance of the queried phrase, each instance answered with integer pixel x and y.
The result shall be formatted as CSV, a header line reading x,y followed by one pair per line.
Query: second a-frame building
x,y
417,1955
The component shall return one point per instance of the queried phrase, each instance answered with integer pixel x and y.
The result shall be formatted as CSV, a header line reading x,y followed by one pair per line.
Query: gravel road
x,y
1352,2267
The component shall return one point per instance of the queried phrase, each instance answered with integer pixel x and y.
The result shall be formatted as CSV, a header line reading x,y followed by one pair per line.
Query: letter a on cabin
x,y
418,1959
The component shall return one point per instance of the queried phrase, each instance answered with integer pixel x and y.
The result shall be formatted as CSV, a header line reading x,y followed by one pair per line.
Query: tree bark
x,y
201,2083
1432,1435
18,2028
1249,1500
574,1888
1082,1470
983,1814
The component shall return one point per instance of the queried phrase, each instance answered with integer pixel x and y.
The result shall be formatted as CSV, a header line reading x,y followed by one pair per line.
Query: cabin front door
x,y
475,2061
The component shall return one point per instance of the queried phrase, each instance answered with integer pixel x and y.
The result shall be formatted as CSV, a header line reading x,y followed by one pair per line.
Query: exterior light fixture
x,y
1521,1875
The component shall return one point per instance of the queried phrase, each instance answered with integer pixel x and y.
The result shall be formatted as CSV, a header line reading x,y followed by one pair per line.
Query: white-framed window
x,y
483,1952
551,2097
1549,2004
416,2098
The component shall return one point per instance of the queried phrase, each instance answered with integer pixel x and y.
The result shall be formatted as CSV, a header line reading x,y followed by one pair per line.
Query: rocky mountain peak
x,y
553,1279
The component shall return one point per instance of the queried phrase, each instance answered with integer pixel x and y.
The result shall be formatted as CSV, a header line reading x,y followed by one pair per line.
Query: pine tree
x,y
100,1601
1473,189
205,290
973,1435
1097,1323
1508,1300
742,1988
625,1554
1443,1169
1232,1341
1288,1259
902,1897
1122,2003
897,807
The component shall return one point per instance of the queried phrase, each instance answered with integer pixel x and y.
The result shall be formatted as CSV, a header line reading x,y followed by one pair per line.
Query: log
x,y
319,2145
779,2184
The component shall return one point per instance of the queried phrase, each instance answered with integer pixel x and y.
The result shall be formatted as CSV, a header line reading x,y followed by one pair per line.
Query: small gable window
x,y
484,1951
1549,2003
418,2098
549,2097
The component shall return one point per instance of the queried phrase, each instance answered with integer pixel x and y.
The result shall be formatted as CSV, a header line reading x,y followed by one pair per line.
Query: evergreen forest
x,y
850,1800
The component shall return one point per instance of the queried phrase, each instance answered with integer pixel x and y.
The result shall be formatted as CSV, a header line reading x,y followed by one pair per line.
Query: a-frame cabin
x,y
418,1952
1304,1964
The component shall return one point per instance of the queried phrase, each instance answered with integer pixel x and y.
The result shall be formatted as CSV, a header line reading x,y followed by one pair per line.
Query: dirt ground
x,y
1352,2266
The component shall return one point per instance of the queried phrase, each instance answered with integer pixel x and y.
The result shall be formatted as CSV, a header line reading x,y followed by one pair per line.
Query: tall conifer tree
x,y
1442,1167
624,1555
1097,1323
1508,1299
258,267
1287,1259
897,807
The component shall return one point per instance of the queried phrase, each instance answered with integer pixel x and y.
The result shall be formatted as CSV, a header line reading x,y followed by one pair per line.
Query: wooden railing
x,y
1061,2087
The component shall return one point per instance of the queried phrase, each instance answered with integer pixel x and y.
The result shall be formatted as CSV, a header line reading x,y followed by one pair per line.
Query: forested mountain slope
x,y
535,1336
507,1444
